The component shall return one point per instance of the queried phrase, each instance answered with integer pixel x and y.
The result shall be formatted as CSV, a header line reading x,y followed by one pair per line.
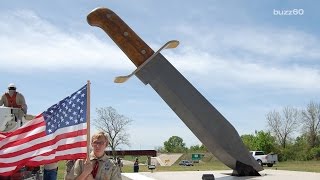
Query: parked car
x,y
265,159
185,163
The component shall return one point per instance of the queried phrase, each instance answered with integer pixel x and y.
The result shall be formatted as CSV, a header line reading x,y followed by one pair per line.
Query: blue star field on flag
x,y
68,112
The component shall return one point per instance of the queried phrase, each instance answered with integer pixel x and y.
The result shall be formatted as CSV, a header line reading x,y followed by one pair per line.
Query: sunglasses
x,y
100,143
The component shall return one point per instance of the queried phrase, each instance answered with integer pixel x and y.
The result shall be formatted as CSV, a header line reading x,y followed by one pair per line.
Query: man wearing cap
x,y
14,99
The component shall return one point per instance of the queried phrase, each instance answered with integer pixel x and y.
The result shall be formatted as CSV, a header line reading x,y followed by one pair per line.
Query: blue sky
x,y
240,55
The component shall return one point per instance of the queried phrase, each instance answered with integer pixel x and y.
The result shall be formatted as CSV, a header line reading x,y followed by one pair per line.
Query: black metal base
x,y
208,177
244,170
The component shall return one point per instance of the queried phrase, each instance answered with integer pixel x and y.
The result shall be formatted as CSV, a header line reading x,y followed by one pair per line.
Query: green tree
x,y
249,140
315,152
261,141
300,149
203,148
194,148
264,141
175,144
198,148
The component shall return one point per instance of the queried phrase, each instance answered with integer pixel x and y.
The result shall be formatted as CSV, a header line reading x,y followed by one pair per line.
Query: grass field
x,y
309,166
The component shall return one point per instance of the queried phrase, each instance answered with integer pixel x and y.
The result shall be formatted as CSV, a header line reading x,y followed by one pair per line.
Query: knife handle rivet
x,y
108,16
125,33
143,51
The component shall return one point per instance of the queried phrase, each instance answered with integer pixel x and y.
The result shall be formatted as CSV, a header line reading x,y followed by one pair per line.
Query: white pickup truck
x,y
264,159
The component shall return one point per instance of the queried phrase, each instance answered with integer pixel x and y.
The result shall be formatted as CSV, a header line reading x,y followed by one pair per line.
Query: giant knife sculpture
x,y
210,127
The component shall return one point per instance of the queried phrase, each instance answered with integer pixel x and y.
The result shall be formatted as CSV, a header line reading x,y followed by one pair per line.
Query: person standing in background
x,y
13,99
50,171
136,165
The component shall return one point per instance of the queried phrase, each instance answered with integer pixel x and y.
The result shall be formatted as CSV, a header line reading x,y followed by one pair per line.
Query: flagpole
x,y
88,119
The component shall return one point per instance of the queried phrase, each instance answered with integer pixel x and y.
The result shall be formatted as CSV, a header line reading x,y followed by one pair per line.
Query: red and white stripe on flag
x,y
30,145
59,133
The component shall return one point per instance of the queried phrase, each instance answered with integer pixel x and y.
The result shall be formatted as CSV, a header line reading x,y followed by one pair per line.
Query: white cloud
x,y
243,41
239,56
29,41
266,57
282,44
227,71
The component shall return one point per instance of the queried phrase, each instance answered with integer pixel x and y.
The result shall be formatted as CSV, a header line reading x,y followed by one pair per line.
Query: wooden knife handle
x,y
128,41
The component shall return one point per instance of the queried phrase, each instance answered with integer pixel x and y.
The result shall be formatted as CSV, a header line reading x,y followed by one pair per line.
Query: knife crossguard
x,y
169,45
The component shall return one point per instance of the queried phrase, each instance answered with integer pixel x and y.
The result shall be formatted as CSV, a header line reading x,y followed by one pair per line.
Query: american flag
x,y
59,133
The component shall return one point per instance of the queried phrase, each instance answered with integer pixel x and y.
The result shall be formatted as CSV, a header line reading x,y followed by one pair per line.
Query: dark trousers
x,y
50,174
136,168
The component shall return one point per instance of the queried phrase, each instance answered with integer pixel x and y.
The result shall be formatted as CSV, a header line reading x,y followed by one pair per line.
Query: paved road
x,y
222,175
